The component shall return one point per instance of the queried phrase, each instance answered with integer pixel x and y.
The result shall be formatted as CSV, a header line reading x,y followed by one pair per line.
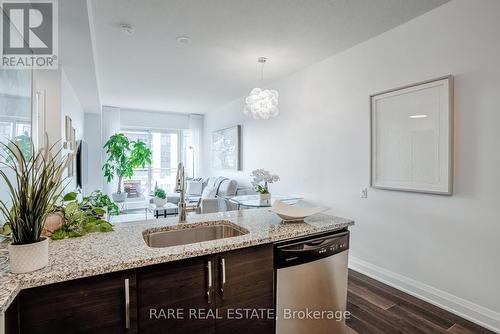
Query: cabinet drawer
x,y
89,305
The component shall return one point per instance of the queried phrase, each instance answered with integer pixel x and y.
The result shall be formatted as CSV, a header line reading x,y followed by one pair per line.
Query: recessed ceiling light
x,y
418,116
183,40
127,29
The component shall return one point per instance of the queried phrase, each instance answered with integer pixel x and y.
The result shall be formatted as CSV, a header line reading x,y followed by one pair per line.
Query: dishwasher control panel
x,y
298,251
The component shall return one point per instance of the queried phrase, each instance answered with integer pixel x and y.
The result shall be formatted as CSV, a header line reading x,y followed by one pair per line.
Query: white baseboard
x,y
461,307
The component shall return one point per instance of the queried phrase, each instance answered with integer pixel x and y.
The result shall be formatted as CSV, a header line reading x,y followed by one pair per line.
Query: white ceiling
x,y
150,70
76,54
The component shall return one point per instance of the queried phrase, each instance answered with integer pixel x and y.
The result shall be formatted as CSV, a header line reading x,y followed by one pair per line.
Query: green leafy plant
x,y
160,193
262,189
5,230
34,189
123,157
98,199
80,218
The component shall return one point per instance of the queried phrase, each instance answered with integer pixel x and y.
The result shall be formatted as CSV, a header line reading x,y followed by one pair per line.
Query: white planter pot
x,y
29,257
119,197
159,202
265,197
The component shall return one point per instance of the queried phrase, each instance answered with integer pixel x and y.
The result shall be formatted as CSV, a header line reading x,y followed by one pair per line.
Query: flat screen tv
x,y
81,164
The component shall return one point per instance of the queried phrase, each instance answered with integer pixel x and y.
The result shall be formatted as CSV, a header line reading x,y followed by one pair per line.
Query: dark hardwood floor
x,y
377,308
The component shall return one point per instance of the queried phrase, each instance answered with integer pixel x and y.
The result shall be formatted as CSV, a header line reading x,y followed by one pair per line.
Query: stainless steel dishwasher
x,y
311,284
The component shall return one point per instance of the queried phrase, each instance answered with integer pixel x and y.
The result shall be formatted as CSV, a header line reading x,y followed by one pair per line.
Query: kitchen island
x,y
125,248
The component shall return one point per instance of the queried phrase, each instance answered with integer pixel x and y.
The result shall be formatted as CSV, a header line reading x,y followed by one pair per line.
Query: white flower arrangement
x,y
262,175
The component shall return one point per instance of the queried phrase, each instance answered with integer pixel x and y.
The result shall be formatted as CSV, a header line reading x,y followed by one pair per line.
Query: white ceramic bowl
x,y
290,213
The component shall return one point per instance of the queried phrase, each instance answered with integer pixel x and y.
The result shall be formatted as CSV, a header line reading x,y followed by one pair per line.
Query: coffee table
x,y
163,211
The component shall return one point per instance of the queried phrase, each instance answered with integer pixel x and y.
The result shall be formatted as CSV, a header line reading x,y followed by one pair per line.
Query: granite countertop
x,y
124,248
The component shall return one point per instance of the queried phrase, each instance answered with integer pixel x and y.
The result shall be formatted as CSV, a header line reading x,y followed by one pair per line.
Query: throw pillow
x,y
194,188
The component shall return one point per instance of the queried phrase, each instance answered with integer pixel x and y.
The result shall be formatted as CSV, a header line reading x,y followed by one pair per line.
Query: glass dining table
x,y
254,201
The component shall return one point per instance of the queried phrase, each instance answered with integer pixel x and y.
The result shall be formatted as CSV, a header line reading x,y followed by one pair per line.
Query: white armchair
x,y
216,188
209,205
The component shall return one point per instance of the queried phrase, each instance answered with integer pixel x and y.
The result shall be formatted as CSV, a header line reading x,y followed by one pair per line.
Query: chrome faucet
x,y
179,187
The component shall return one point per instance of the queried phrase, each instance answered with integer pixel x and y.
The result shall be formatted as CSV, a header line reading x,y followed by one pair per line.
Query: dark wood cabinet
x,y
97,304
216,300
11,317
245,298
215,294
168,294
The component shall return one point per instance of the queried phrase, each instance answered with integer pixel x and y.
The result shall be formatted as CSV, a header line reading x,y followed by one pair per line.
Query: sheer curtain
x,y
196,129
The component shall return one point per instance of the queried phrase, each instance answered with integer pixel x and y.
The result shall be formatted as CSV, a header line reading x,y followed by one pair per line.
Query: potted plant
x,y
160,197
260,176
98,199
34,190
123,157
80,218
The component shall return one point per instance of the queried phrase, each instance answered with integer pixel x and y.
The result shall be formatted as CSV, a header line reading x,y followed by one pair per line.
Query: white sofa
x,y
211,197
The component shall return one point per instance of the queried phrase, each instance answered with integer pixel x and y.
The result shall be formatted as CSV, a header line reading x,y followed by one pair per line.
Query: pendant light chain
x,y
262,72
262,61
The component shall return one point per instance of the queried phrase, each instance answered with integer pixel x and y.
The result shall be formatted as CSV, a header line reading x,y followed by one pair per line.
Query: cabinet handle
x,y
223,276
209,282
127,303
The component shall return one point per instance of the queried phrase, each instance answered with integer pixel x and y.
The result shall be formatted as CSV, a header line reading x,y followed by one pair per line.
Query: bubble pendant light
x,y
262,103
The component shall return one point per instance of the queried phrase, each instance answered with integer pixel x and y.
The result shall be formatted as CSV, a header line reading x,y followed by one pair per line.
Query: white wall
x,y
60,100
70,106
49,82
92,135
144,119
319,145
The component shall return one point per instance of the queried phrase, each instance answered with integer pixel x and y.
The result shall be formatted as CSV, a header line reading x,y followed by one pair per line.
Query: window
x,y
165,147
15,109
5,130
23,129
140,174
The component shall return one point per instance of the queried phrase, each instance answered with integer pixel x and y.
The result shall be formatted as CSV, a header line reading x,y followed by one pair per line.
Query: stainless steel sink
x,y
190,235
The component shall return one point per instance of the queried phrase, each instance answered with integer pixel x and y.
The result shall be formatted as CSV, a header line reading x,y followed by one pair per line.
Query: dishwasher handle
x,y
306,248
295,253
316,242
310,246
